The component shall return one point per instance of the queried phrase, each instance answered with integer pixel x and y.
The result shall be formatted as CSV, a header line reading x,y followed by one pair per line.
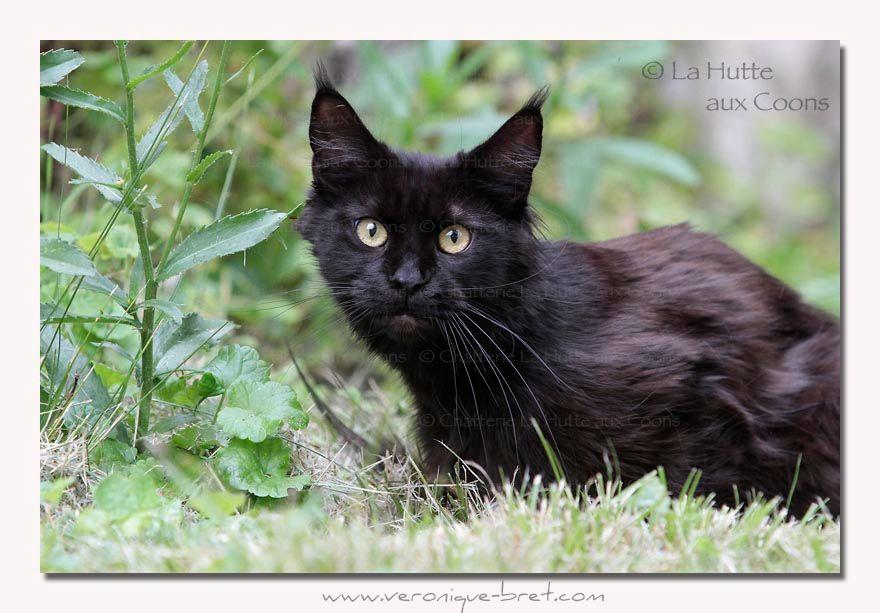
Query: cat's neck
x,y
510,334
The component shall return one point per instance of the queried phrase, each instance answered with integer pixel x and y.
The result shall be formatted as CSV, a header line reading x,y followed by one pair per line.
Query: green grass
x,y
361,517
512,534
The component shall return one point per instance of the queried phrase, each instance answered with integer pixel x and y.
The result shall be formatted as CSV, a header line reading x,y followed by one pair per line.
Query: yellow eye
x,y
454,239
371,232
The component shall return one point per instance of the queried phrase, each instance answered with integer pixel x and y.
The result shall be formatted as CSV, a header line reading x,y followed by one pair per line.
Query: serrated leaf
x,y
83,100
155,69
166,306
103,285
234,363
63,257
175,343
259,468
226,236
196,174
100,176
196,84
152,143
58,63
256,410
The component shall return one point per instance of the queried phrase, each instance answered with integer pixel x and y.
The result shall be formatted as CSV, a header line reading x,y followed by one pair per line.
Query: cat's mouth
x,y
405,324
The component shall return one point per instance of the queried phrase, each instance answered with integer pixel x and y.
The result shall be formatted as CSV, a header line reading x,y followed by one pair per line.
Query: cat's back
x,y
693,282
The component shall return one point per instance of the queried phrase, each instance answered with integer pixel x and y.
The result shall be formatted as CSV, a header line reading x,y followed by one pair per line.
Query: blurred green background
x,y
621,154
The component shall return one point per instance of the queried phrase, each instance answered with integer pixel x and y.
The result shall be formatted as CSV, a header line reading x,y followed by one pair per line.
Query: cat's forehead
x,y
417,190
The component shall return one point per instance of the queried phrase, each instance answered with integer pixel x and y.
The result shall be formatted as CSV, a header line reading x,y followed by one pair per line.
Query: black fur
x,y
663,348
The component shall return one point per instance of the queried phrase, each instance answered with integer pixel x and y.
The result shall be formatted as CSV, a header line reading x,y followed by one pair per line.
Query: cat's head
x,y
405,239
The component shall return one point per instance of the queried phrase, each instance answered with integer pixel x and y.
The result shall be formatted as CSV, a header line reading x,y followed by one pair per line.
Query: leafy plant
x,y
229,408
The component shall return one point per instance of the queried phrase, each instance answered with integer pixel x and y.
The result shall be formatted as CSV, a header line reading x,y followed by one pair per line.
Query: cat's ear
x,y
503,164
342,146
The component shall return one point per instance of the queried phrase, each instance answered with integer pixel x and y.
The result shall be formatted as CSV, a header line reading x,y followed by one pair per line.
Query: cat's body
x,y
665,348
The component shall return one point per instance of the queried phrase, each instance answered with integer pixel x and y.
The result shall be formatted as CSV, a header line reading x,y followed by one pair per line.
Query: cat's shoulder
x,y
670,239
670,251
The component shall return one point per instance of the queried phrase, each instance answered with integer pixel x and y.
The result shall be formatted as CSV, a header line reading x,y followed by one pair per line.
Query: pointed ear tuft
x,y
502,166
536,102
341,144
323,83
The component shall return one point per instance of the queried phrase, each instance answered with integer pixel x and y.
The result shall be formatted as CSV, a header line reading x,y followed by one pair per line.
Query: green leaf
x,y
235,363
209,386
175,343
259,468
103,285
648,156
121,495
173,422
128,502
199,437
64,364
111,454
228,235
166,306
196,174
152,143
100,176
58,63
256,410
155,69
177,391
243,67
190,97
83,100
51,491
110,377
57,311
120,242
217,504
61,256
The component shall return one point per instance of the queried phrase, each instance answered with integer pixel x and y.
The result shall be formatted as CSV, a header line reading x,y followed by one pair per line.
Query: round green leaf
x,y
259,468
256,410
234,363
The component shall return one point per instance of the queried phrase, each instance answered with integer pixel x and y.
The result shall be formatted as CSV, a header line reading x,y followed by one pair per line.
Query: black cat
x,y
665,348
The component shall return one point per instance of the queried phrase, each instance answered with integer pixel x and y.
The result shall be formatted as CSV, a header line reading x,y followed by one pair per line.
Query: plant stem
x,y
146,399
197,154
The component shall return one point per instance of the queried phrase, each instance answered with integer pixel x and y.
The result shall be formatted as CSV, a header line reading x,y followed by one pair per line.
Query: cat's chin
x,y
404,325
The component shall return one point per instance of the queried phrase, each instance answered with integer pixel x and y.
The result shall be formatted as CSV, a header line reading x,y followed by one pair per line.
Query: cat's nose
x,y
408,277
